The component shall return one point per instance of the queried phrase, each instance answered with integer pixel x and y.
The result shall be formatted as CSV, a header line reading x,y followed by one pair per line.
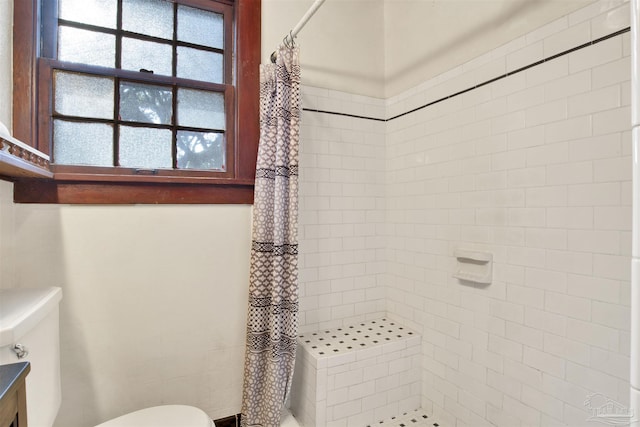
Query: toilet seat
x,y
162,416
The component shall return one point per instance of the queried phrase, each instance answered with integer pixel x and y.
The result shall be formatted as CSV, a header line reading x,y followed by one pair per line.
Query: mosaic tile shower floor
x,y
417,418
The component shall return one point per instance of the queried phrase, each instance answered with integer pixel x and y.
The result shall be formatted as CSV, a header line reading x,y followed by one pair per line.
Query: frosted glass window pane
x,y
150,17
86,47
199,150
82,143
145,103
83,96
145,148
101,13
200,65
200,27
137,54
200,109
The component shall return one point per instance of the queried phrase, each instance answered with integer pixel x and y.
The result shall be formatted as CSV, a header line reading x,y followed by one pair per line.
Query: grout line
x,y
510,73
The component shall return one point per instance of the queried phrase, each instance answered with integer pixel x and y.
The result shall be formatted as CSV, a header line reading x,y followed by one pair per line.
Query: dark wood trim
x,y
248,86
45,106
66,192
25,36
128,75
230,133
157,176
206,4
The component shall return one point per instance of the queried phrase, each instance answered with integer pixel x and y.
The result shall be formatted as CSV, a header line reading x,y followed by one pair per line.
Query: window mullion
x,y
135,76
174,128
116,122
49,29
119,35
174,50
116,89
230,53
174,71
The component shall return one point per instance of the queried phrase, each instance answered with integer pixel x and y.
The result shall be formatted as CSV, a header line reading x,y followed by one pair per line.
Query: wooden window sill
x,y
34,182
127,193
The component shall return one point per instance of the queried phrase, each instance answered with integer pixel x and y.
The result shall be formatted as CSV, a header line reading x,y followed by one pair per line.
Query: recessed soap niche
x,y
474,266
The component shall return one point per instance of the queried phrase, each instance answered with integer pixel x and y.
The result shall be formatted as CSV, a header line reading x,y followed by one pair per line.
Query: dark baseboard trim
x,y
232,421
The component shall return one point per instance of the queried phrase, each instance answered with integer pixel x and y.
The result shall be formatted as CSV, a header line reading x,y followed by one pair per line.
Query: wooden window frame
x,y
93,186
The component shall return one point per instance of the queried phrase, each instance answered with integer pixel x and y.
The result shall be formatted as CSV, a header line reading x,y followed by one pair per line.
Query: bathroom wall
x,y
534,168
155,296
341,46
379,48
504,168
341,209
154,303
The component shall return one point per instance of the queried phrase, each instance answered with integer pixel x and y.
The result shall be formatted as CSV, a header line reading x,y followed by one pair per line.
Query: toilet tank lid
x,y
163,416
23,308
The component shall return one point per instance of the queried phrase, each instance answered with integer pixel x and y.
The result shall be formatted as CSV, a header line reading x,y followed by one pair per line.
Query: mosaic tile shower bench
x,y
356,375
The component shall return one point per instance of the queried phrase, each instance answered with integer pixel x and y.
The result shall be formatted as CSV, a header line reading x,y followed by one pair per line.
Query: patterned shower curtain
x,y
273,289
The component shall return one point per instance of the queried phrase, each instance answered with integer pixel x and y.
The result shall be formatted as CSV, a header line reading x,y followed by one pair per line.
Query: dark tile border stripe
x,y
343,114
510,73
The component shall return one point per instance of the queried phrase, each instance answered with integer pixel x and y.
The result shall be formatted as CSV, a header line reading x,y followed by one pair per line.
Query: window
x,y
139,101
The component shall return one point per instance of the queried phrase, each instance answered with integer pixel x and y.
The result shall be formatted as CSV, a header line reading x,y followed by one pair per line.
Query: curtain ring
x,y
289,41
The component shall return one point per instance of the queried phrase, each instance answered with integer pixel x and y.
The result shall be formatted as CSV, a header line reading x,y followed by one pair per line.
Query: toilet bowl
x,y
162,416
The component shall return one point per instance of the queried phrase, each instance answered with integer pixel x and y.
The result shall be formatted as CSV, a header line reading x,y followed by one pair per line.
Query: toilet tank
x,y
30,317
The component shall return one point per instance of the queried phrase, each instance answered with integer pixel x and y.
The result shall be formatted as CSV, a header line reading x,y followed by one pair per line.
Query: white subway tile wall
x,y
342,206
534,168
357,375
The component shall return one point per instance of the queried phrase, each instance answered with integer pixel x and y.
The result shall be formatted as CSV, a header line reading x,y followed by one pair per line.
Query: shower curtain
x,y
273,284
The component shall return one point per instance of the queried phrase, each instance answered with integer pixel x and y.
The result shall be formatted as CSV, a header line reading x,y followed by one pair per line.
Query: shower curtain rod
x,y
289,38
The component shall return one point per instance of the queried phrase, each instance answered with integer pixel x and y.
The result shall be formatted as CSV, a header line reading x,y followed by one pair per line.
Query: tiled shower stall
x,y
523,153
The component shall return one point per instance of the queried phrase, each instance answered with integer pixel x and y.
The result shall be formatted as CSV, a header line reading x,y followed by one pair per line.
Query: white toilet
x,y
30,317
162,416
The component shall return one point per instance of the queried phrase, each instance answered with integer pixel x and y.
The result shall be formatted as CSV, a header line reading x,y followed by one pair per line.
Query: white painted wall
x,y
154,302
341,46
